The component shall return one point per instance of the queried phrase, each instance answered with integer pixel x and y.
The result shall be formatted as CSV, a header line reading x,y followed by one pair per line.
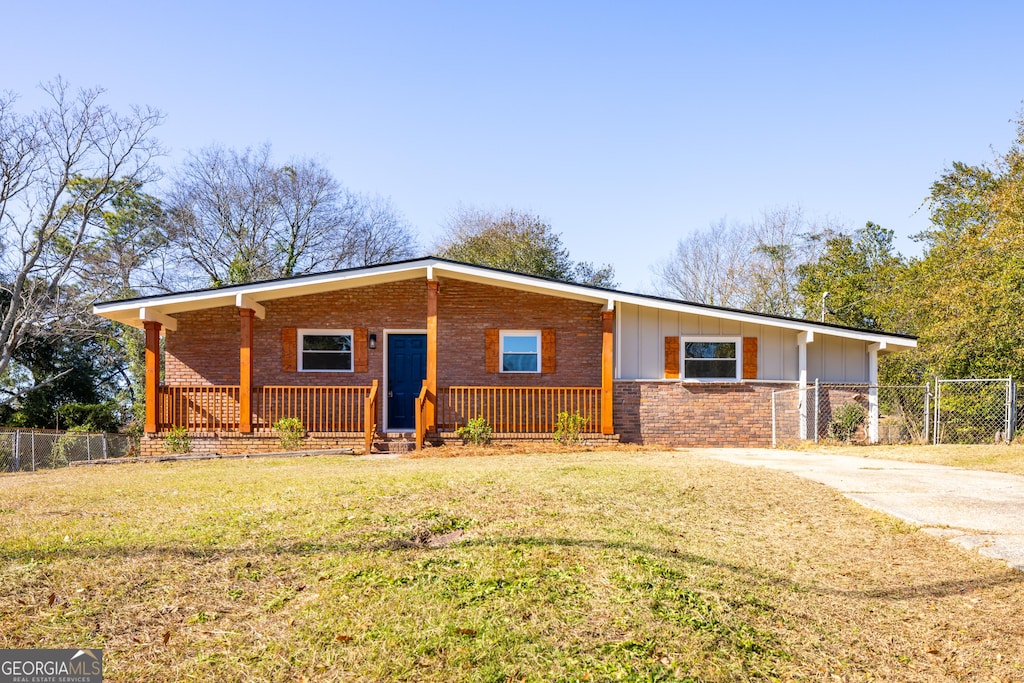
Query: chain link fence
x,y
943,411
842,412
974,411
28,450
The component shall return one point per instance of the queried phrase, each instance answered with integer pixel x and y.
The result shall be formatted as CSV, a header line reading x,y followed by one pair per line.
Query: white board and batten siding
x,y
641,333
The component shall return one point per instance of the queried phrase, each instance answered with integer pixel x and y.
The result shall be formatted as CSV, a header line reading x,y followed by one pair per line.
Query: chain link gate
x,y
974,411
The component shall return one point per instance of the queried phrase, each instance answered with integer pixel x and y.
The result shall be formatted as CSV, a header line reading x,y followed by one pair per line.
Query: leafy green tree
x,y
967,292
519,242
856,271
62,372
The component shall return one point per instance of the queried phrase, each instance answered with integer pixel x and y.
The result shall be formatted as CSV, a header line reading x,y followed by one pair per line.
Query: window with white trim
x,y
520,351
712,358
325,350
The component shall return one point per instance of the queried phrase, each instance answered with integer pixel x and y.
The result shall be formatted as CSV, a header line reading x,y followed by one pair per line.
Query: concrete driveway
x,y
982,511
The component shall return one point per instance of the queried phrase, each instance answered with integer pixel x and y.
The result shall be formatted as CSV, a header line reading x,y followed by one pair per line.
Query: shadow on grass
x,y
938,589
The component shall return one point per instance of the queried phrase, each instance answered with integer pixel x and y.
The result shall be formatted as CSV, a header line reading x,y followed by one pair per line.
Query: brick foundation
x,y
695,414
238,444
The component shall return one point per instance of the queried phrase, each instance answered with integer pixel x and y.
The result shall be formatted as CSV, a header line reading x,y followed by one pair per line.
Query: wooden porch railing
x,y
198,408
421,416
370,430
517,410
322,409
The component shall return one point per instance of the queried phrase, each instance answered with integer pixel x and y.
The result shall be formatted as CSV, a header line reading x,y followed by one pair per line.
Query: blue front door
x,y
407,368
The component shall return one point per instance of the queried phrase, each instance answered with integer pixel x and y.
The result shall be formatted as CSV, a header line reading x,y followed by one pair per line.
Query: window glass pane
x,y
326,342
710,349
519,362
524,344
710,369
314,360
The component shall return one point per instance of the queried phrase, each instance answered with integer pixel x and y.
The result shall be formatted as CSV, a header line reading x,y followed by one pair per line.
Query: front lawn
x,y
575,567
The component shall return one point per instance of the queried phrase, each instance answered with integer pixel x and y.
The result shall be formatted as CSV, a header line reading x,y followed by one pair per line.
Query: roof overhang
x,y
133,312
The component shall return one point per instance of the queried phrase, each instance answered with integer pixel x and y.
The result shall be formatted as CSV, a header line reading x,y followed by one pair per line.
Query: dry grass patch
x,y
995,458
583,566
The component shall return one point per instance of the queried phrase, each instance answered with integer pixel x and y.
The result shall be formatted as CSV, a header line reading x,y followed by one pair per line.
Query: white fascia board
x,y
525,283
260,291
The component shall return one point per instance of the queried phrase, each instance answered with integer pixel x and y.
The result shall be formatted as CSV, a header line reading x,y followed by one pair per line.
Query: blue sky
x,y
626,125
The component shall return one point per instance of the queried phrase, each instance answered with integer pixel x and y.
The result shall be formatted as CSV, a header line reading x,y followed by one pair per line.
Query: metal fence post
x,y
1013,409
817,406
88,447
17,450
1007,411
104,445
937,422
927,410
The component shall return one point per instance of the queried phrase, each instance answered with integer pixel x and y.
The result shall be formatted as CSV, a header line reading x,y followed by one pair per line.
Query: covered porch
x,y
357,412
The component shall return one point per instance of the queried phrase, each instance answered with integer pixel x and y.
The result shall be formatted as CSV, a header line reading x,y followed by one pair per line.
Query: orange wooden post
x,y
247,316
431,407
152,375
607,370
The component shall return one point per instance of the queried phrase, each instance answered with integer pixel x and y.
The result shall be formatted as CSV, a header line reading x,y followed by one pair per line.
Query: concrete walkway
x,y
983,511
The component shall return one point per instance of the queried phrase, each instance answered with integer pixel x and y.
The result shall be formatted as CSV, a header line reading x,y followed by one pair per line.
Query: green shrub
x,y
63,445
569,428
845,422
477,432
177,440
290,432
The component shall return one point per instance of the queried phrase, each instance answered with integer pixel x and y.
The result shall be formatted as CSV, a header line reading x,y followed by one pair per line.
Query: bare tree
x,y
752,266
710,266
237,217
59,168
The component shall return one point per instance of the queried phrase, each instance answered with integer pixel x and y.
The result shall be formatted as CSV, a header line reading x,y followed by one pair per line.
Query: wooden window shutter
x,y
289,349
360,350
492,350
671,357
750,358
547,351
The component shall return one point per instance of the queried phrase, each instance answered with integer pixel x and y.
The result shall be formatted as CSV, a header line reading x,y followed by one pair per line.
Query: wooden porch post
x,y
152,375
607,370
431,408
247,316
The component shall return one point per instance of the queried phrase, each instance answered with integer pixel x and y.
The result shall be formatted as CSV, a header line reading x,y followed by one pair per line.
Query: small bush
x,y
290,432
64,444
178,441
569,428
476,432
847,419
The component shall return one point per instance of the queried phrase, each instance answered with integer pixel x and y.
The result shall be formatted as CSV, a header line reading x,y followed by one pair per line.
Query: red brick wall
x,y
204,349
466,309
695,414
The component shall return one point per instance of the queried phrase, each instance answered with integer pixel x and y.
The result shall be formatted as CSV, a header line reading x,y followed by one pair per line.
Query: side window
x,y
711,358
520,351
325,350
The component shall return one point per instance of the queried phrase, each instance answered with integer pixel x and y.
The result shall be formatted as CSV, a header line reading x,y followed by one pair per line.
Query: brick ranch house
x,y
419,347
